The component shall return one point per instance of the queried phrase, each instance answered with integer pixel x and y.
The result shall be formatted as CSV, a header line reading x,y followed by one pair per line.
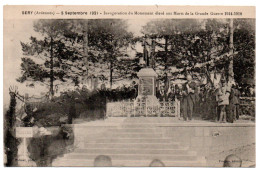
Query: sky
x,y
135,26
16,31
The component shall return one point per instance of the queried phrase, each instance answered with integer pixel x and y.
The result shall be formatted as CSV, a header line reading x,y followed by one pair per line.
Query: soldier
x,y
188,98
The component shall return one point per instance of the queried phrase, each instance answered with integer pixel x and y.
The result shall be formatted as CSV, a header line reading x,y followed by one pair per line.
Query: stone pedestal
x,y
147,89
23,155
147,81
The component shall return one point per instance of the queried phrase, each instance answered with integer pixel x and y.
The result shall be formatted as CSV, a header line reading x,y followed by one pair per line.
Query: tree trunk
x,y
152,54
85,45
51,72
166,66
231,48
10,141
111,74
145,55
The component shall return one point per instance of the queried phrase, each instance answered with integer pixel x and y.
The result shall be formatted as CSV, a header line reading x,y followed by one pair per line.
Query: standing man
x,y
212,115
161,95
171,93
135,89
188,98
197,101
223,100
237,101
178,98
202,101
234,102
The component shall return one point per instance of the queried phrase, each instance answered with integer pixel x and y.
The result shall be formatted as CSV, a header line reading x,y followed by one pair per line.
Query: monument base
x,y
149,99
147,105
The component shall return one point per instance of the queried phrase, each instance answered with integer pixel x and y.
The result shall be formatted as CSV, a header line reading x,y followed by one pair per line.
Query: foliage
x,y
247,110
185,43
87,104
107,42
244,44
59,55
51,57
110,39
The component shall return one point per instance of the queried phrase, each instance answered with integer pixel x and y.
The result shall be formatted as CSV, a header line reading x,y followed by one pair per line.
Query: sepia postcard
x,y
129,86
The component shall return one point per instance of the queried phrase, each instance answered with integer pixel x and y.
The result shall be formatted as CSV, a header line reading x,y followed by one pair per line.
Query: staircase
x,y
132,144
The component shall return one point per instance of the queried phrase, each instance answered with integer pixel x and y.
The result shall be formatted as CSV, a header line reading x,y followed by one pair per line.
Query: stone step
x,y
133,130
138,125
151,120
134,135
166,157
131,140
64,162
134,145
108,151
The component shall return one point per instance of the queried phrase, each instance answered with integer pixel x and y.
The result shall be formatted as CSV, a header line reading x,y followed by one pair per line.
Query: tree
x,y
108,42
51,57
203,46
161,31
244,45
186,43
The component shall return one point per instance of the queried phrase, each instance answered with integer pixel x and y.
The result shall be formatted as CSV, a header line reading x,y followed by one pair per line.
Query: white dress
x,y
223,96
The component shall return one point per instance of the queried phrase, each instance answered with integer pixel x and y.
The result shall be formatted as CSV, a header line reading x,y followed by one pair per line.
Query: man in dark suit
x,y
171,94
234,102
160,94
188,98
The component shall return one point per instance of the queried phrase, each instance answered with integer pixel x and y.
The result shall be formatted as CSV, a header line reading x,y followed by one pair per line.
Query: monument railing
x,y
138,108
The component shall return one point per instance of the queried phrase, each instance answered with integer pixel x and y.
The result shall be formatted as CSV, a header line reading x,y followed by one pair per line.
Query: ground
x,y
246,153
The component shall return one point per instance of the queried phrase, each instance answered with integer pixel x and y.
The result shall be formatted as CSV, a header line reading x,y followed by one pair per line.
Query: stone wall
x,y
208,140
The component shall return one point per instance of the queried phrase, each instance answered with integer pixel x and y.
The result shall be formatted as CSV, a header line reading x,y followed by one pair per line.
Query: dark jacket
x,y
234,96
189,95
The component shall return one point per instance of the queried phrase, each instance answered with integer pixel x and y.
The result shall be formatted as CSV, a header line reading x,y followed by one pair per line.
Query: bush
x,y
73,104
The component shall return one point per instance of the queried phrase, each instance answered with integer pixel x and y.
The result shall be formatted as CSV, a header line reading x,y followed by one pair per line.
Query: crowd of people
x,y
211,102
